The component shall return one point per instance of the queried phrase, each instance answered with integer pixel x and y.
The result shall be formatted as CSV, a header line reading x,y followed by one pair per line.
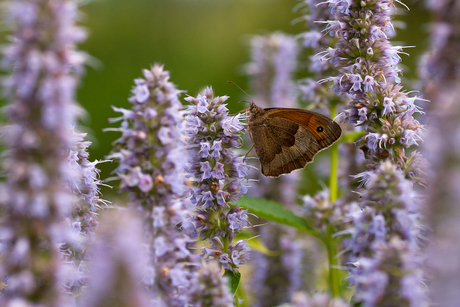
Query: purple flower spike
x,y
441,83
369,78
273,55
217,172
44,164
211,289
119,259
84,216
154,176
385,242
218,169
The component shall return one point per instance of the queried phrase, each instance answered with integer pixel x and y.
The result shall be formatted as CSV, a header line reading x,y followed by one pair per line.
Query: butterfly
x,y
286,139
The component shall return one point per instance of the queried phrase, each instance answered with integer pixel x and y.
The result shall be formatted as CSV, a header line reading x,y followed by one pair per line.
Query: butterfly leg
x,y
235,114
248,151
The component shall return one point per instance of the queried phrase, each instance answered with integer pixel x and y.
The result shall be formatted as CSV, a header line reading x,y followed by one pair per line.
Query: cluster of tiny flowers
x,y
319,299
440,73
369,76
273,62
313,40
212,290
316,13
269,270
441,64
321,212
36,199
384,245
152,158
118,257
218,175
84,217
87,187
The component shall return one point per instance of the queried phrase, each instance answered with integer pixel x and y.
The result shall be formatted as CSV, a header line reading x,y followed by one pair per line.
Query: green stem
x,y
237,303
225,242
331,245
333,180
240,294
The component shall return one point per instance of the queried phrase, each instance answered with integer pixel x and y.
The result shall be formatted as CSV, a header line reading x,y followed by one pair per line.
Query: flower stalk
x,y
152,159
36,198
218,176
367,62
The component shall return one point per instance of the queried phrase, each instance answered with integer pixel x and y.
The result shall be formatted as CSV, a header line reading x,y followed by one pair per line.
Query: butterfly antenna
x,y
243,101
245,110
241,90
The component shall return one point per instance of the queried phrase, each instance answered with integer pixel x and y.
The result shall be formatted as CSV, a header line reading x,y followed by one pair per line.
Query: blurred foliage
x,y
201,42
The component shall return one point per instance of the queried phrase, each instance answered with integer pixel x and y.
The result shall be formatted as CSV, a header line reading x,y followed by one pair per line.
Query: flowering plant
x,y
193,223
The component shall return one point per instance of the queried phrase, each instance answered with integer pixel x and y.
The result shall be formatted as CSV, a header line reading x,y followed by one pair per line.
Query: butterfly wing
x,y
288,139
325,131
282,146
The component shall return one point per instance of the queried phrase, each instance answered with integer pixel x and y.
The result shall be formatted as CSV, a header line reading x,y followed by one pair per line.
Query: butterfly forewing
x,y
324,130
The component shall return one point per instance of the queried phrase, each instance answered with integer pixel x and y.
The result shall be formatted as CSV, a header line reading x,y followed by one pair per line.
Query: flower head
x,y
218,175
211,290
41,174
152,159
385,243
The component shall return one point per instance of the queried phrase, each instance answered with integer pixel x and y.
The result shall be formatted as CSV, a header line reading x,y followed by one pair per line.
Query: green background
x,y
201,42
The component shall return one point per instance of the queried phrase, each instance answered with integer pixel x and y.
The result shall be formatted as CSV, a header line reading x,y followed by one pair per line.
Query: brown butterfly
x,y
286,139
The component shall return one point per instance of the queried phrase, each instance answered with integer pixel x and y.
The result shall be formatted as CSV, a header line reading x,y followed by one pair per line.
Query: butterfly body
x,y
286,139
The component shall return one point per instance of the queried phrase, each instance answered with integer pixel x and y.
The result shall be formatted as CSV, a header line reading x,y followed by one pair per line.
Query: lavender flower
x,y
270,271
36,198
84,217
315,14
273,62
218,176
385,252
441,83
118,258
384,242
212,290
152,159
319,208
321,212
369,75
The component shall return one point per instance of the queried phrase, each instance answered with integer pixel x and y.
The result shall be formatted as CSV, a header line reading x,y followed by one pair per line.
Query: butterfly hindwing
x,y
286,146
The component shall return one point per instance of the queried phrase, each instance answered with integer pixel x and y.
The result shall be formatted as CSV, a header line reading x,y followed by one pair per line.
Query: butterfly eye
x,y
319,129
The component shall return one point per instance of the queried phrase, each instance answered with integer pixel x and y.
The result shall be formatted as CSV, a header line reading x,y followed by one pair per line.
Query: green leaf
x,y
255,243
351,137
276,212
233,280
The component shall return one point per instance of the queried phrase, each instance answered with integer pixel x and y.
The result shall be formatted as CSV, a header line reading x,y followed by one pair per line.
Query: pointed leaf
x,y
274,211
233,280
255,243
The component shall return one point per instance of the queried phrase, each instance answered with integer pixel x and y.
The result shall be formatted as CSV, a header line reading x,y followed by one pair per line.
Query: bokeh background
x,y
201,42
